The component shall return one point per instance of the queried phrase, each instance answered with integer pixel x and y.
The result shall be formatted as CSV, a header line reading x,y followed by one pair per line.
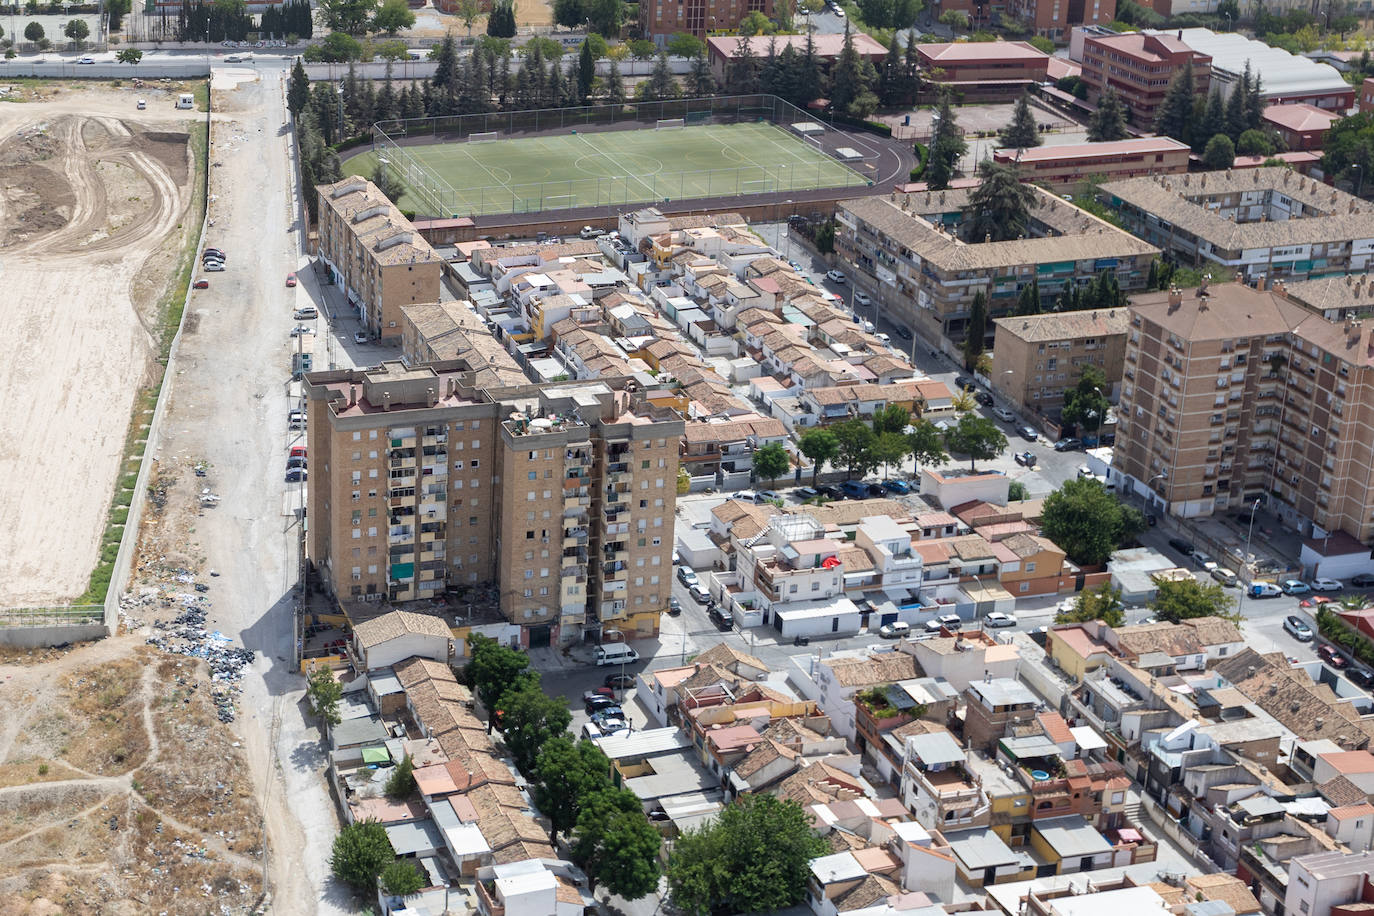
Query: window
x,y
1030,567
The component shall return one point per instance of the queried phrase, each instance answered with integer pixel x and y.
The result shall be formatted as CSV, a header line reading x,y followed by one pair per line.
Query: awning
x,y
376,755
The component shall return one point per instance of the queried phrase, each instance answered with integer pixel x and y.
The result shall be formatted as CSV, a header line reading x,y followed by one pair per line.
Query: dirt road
x,y
228,412
92,193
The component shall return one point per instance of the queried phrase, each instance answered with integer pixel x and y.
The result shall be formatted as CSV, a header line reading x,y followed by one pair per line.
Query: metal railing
x,y
71,616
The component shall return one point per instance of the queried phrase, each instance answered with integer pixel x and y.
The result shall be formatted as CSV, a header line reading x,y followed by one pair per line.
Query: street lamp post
x,y
1245,560
977,615
1359,187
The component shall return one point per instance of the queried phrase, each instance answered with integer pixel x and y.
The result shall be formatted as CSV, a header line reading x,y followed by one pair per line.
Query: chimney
x,y
431,396
1281,287
352,395
386,400
1175,297
1240,277
1261,283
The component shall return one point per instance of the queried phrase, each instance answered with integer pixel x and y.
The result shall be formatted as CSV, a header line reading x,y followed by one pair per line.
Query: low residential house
x,y
1041,569
952,486
1076,649
1071,845
786,745
1227,889
1352,826
936,786
727,445
531,889
833,680
886,715
983,859
888,546
841,883
397,635
962,659
1308,709
1160,648
1324,877
992,707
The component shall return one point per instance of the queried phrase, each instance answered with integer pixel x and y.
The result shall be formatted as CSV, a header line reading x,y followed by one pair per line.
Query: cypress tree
x,y
1022,132
1176,111
586,71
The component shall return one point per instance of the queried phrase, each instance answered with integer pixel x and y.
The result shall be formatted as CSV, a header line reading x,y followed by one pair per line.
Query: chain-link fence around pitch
x,y
606,155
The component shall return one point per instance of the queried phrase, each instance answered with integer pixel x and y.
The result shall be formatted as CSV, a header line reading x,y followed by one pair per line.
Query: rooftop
x,y
955,52
1138,146
395,624
1284,73
1301,117
824,46
1066,325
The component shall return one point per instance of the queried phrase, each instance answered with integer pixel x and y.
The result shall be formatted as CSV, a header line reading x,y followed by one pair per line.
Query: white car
x,y
360,337
861,298
1325,585
883,337
835,276
895,630
998,619
1001,413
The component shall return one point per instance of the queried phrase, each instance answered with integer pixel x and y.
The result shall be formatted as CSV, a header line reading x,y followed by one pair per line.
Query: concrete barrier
x,y
27,637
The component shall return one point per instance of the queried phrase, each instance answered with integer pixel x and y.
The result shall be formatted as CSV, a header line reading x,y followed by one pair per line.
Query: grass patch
x,y
169,312
201,90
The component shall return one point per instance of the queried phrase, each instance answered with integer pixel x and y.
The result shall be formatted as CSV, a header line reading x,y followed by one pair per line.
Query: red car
x,y
1333,658
290,279
201,284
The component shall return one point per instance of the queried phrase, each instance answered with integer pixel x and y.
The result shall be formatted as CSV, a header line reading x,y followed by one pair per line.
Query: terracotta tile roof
x,y
1307,709
869,891
1169,638
1349,763
1066,325
393,624
762,755
1056,729
1224,887
1214,631
1341,792
729,657
1348,811
522,852
878,668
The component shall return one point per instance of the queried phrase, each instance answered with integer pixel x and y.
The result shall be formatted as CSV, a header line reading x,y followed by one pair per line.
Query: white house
x,y
395,636
833,680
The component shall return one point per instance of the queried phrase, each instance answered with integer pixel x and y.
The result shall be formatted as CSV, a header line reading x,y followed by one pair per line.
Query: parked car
x,y
290,279
999,619
1001,413
86,60
722,618
591,232
700,593
1068,444
765,496
296,475
298,451
612,718
305,313
948,621
1184,547
1203,560
1264,590
874,490
1332,656
201,284
1360,677
963,381
861,298
1224,575
835,276
903,332
619,681
1026,458
830,492
214,253
854,489
360,337
1028,433
983,398
883,338
1325,585
1295,587
1298,628
687,576
300,329
296,461
213,266
897,486
895,630
1363,580
805,493
674,606
597,702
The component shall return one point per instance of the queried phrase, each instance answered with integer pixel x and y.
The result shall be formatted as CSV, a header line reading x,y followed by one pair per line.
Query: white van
x,y
616,654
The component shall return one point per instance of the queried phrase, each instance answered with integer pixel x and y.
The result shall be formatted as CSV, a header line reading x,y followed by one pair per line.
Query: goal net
x,y
484,137
670,123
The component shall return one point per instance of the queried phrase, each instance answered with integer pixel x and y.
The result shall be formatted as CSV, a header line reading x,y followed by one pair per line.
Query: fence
x,y
71,616
390,139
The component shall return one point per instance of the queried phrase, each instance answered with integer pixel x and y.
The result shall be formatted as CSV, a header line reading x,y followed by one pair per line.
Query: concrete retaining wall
x,y
40,637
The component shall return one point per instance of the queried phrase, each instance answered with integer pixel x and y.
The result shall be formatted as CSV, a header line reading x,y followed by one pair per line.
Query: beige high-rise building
x,y
1039,357
562,496
1232,394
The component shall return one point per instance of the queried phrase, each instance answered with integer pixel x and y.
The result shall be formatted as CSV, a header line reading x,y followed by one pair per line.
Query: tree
x,y
615,843
890,448
529,717
401,878
387,183
76,30
1175,115
1184,599
1213,119
741,69
889,14
1108,122
33,32
850,77
569,13
129,56
1028,301
894,418
392,16
615,86
468,11
298,90
565,773
978,437
684,44
401,782
1102,603
946,146
1086,404
1022,132
1016,491
324,692
926,444
954,19
1349,143
586,71
820,445
977,329
606,16
661,84
855,441
1220,153
771,461
754,23
116,10
701,82
1088,522
754,857
361,851
1229,11
501,19
351,16
1254,143
999,208
494,668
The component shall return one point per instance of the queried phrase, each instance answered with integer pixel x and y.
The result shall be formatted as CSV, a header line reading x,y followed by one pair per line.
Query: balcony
x,y
574,537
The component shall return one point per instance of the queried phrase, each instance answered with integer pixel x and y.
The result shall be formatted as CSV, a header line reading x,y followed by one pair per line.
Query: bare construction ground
x,y
119,791
92,195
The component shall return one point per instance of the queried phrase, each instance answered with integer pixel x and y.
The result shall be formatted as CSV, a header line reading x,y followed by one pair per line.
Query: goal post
x,y
484,137
670,123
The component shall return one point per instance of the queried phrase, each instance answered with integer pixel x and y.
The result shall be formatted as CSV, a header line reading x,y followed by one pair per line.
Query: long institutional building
x,y
1232,394
907,246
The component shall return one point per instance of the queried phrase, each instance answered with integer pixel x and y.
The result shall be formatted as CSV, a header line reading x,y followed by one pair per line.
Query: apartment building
x,y
1001,69
374,253
825,49
1233,394
909,250
1329,884
1076,163
1264,222
1054,18
1139,67
560,495
1039,357
661,19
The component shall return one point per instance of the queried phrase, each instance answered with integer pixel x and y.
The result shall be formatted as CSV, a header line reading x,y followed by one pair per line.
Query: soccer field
x,y
532,174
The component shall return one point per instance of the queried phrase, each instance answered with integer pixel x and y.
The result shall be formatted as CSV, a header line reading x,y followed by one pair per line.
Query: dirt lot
x,y
122,794
92,192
